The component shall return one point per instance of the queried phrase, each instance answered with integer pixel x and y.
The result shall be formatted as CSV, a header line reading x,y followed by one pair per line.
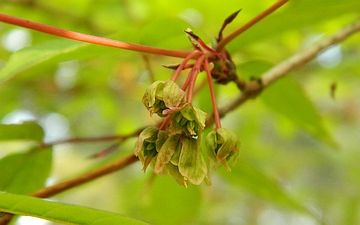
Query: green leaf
x,y
247,175
163,202
59,212
173,95
222,144
25,173
147,134
191,163
33,55
294,15
165,33
287,98
27,131
166,151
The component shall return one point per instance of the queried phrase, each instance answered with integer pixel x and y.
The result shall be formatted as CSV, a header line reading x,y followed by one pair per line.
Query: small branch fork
x,y
267,78
124,45
280,70
249,24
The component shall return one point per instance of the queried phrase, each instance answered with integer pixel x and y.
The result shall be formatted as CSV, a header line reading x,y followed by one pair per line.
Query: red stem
x,y
165,123
249,24
90,38
192,77
213,96
183,64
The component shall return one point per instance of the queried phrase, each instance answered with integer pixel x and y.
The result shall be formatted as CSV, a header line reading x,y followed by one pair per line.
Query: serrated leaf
x,y
287,98
59,212
33,55
25,173
27,131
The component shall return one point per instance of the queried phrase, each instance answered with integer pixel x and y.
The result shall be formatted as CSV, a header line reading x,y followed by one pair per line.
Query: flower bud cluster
x,y
162,96
222,145
175,149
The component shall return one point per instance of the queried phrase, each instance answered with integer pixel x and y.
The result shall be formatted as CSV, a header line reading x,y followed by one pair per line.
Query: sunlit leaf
x,y
294,15
27,131
59,212
252,178
24,173
287,98
28,57
163,201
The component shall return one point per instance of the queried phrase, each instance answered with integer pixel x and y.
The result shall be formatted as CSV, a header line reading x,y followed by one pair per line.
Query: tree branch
x,y
302,58
249,24
77,181
84,178
253,88
90,38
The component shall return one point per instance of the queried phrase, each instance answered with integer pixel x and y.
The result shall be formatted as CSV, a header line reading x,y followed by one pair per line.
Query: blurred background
x,y
300,156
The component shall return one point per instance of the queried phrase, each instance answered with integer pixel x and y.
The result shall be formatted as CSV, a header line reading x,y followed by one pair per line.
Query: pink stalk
x,y
192,77
183,64
212,92
249,24
90,38
165,123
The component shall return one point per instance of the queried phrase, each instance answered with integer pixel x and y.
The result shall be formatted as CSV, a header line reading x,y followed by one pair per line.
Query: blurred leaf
x,y
27,131
250,177
294,15
165,33
28,57
163,201
59,212
287,98
25,173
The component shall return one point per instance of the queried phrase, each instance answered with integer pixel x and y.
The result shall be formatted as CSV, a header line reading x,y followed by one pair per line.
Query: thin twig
x,y
280,70
94,139
249,24
212,93
84,178
77,181
90,38
267,79
148,68
302,58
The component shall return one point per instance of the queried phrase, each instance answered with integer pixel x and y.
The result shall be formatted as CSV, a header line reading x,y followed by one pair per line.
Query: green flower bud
x,y
222,145
163,95
145,147
174,171
191,162
189,120
166,152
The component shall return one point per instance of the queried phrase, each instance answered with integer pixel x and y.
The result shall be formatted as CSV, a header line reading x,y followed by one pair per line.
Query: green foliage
x,y
32,166
287,134
29,57
28,131
59,212
293,104
24,173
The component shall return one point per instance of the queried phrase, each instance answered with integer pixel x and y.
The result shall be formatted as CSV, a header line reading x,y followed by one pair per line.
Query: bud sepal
x,y
222,145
